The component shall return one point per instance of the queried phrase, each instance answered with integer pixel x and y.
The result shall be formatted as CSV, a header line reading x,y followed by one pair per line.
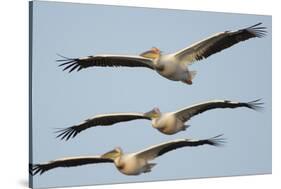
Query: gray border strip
x,y
30,177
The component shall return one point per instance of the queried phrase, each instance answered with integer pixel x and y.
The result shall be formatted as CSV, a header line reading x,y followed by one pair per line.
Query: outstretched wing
x,y
72,64
186,113
99,120
163,148
67,162
218,42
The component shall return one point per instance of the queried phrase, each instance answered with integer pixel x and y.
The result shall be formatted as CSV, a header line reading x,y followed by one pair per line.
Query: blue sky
x,y
242,73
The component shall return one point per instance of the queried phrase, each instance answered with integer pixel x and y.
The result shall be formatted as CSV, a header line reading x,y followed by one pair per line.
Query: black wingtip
x,y
70,64
258,31
256,105
260,23
30,169
36,169
217,140
64,58
66,133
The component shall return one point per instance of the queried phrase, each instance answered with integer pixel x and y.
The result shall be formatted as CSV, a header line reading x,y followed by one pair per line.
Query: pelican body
x,y
167,123
169,67
173,66
128,164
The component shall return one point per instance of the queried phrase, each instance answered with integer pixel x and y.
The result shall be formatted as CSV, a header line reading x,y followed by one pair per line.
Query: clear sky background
x,y
60,99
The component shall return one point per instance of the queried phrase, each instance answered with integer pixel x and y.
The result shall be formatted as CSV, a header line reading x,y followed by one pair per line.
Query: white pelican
x,y
168,123
172,66
128,164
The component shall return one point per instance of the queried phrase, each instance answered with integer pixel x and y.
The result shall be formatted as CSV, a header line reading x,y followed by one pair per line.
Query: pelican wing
x,y
186,113
72,64
99,120
67,162
218,42
163,148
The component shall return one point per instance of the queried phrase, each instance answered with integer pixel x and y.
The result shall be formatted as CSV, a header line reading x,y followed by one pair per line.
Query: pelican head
x,y
113,154
153,53
154,113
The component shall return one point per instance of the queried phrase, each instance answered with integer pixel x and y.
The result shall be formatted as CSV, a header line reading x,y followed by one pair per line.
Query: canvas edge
x,y
30,33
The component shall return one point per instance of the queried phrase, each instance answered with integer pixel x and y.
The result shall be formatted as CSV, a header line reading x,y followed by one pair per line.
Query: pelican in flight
x,y
173,66
168,123
130,163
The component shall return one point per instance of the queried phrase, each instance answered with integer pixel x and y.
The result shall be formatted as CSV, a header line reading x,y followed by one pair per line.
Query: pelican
x,y
173,66
130,163
168,123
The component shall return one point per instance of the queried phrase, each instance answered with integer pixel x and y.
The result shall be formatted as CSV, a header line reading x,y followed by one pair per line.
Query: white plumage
x,y
173,66
130,163
167,123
